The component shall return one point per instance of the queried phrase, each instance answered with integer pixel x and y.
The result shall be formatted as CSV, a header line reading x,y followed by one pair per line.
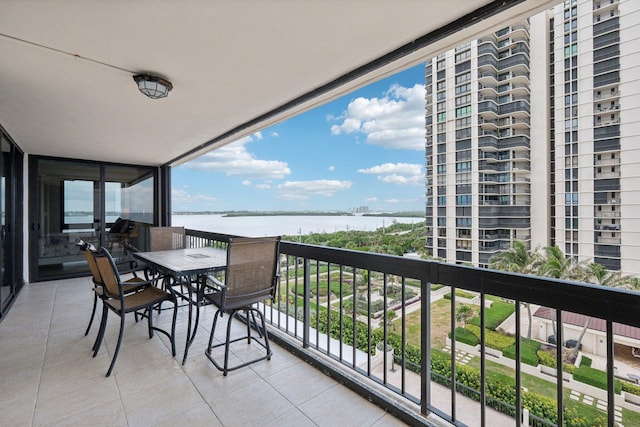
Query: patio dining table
x,y
189,268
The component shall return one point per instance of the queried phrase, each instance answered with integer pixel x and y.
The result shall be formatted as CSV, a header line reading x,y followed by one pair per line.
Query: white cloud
x,y
246,183
332,168
303,190
402,180
234,160
388,168
263,186
372,199
397,173
394,121
183,199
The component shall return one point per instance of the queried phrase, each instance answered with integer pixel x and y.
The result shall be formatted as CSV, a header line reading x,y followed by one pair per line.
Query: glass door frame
x,y
99,224
11,230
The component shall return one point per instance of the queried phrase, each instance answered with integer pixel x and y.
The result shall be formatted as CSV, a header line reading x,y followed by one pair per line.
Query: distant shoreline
x,y
303,213
231,214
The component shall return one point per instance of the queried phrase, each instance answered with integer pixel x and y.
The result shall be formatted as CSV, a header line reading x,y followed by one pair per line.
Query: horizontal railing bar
x,y
335,270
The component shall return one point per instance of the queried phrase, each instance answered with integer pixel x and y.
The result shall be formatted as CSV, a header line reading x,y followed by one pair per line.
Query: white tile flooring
x,y
48,377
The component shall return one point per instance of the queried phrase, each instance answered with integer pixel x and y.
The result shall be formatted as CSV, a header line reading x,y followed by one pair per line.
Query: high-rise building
x,y
478,145
533,133
597,150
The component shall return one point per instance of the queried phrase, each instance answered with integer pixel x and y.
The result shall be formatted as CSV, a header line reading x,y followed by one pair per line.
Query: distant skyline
x,y
364,149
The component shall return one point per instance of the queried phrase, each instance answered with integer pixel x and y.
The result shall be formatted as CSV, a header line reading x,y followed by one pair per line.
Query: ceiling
x,y
237,66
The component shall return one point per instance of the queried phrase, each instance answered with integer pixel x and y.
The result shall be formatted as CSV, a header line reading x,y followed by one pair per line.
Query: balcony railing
x,y
397,343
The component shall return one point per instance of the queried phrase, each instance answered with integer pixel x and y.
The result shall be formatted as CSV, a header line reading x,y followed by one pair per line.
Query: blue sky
x,y
364,149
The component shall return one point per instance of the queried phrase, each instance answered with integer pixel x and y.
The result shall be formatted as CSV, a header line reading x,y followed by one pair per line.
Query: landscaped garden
x,y
342,289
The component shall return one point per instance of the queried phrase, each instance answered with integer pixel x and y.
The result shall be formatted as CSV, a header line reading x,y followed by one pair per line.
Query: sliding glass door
x,y
73,199
10,222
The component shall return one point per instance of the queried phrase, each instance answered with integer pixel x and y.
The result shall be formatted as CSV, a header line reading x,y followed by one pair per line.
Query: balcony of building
x,y
610,92
50,378
607,238
604,6
54,379
67,92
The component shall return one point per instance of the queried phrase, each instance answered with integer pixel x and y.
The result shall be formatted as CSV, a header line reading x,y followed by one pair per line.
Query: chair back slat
x,y
252,269
166,238
108,273
88,251
93,267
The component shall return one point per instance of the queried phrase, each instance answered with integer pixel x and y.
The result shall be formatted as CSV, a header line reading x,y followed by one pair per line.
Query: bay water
x,y
260,226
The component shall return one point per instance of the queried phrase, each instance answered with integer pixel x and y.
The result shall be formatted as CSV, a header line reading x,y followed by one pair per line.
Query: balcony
x,y
56,380
50,377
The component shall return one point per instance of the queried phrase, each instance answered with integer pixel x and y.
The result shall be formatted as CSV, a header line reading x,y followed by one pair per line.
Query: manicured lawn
x,y
440,324
495,315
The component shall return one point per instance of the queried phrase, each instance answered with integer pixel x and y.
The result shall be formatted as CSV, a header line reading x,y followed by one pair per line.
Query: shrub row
x,y
594,377
330,323
548,358
627,387
501,395
493,339
459,293
465,336
500,392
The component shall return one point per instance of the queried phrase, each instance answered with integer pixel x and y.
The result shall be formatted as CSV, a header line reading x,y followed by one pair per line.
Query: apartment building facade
x,y
533,134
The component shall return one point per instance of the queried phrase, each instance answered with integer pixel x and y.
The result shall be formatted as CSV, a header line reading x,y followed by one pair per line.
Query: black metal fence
x,y
373,315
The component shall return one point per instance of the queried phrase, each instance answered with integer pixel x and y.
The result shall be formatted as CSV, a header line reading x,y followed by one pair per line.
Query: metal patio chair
x,y
251,277
120,303
166,238
131,285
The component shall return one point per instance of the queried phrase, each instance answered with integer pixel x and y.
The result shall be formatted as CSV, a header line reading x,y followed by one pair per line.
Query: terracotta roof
x,y
596,324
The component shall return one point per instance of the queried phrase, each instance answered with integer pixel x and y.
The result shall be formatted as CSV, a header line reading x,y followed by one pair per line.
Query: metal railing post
x,y
306,316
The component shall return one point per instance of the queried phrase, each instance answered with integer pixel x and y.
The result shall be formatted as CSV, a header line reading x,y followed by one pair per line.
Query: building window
x,y
463,88
463,78
463,200
463,166
463,55
462,100
463,111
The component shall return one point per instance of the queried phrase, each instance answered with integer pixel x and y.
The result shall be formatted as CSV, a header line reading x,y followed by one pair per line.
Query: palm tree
x,y
518,259
559,266
598,275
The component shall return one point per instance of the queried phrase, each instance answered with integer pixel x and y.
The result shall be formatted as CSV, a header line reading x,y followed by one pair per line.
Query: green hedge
x,y
493,339
627,387
466,336
586,361
495,315
332,326
500,389
528,351
548,358
594,377
459,293
503,391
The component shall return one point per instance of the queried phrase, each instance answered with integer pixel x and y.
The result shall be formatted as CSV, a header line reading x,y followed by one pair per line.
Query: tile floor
x,y
48,377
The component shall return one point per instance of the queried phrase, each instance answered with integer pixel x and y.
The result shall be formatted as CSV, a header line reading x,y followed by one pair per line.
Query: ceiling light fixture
x,y
152,86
